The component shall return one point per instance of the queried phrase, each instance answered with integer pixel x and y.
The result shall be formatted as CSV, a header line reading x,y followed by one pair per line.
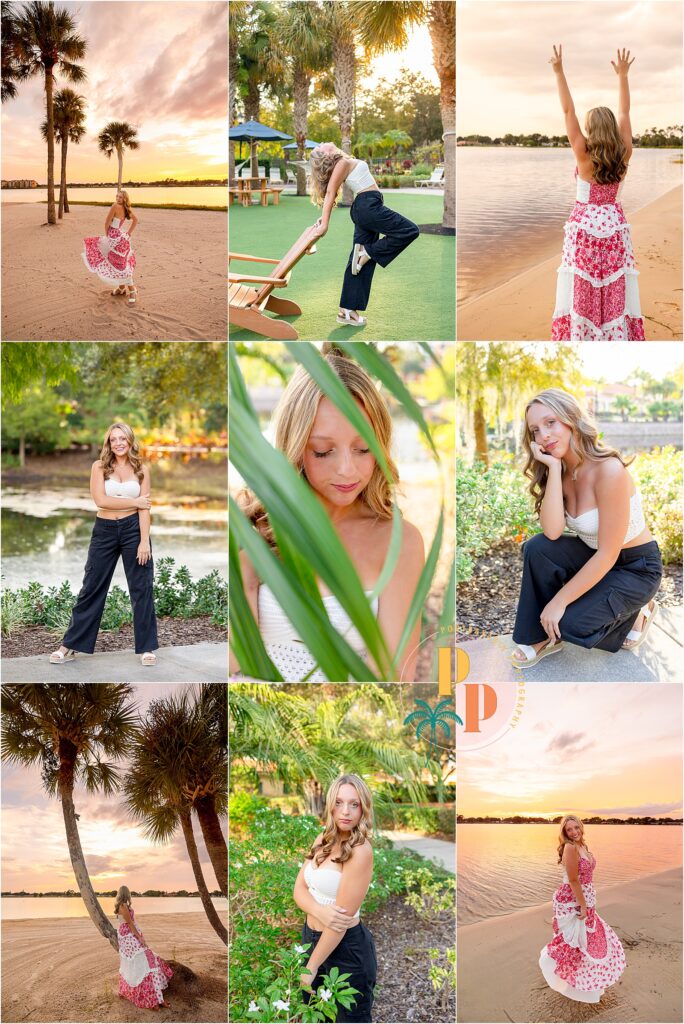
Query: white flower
x,y
253,1008
238,865
324,994
299,949
281,1004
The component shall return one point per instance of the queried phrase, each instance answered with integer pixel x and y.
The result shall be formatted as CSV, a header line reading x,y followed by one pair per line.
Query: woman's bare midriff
x,y
368,188
314,923
109,513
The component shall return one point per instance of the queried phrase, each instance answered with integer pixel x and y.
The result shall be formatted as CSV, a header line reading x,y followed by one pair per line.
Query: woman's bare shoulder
x,y
362,854
97,464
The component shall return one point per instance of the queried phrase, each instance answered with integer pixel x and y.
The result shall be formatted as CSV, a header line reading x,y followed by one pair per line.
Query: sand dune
x,y
62,970
522,308
499,977
48,294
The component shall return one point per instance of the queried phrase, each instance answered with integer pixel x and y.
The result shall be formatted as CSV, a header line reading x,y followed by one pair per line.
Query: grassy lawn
x,y
413,299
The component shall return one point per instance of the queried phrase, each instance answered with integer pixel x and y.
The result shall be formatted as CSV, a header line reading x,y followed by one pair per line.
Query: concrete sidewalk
x,y
192,663
658,659
437,850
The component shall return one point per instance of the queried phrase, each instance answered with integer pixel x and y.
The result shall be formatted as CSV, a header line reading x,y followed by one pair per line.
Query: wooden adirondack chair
x,y
247,304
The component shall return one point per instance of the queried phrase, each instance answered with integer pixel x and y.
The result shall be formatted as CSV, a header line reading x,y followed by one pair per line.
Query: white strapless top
x,y
586,526
117,222
323,883
122,489
360,177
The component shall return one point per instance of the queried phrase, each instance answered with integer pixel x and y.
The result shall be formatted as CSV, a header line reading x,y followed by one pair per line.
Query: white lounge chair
x,y
291,176
245,172
274,176
435,181
262,171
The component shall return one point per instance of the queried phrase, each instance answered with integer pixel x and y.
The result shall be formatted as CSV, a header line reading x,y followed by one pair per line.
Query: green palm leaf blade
x,y
334,655
245,638
296,513
447,618
377,366
393,553
431,354
423,586
236,383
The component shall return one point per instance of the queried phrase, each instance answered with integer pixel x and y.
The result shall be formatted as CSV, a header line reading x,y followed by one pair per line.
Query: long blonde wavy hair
x,y
122,896
584,440
126,202
563,837
322,165
293,420
108,458
331,834
605,146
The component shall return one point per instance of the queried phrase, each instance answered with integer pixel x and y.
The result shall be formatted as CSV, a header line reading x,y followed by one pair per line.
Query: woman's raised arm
x,y
339,173
624,123
572,128
571,859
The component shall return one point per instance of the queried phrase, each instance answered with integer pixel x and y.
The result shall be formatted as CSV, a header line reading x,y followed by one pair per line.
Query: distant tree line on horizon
x,y
519,819
112,893
653,138
161,183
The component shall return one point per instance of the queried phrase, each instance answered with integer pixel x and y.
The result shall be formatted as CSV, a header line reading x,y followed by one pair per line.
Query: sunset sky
x,y
160,65
504,83
608,749
35,856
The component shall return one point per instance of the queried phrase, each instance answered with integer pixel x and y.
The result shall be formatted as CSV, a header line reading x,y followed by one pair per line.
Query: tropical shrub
x,y
491,504
443,975
658,475
175,594
429,896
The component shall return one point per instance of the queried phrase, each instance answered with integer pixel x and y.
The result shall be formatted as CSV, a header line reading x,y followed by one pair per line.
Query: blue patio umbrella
x,y
253,132
308,144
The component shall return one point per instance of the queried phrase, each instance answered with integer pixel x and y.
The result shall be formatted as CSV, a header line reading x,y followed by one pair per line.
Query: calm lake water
x,y
200,195
503,868
20,908
511,201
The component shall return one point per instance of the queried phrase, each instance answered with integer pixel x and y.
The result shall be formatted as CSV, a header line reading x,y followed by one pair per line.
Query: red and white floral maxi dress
x,y
143,975
597,294
110,256
585,957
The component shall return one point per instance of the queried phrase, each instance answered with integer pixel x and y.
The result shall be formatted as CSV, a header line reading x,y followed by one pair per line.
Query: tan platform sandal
x,y
57,657
132,295
121,290
636,637
533,657
148,658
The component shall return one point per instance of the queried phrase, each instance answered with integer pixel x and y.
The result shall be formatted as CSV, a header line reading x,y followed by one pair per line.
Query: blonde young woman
x,y
597,297
143,975
342,473
330,168
330,889
110,256
120,488
585,957
597,587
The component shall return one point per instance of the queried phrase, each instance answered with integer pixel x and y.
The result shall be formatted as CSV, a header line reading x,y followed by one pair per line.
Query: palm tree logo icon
x,y
426,717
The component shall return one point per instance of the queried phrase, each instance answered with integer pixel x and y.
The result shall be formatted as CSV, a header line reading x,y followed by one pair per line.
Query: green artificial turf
x,y
413,299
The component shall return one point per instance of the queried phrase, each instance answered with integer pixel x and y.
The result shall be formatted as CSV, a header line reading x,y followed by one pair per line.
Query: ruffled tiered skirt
x,y
597,296
585,957
143,975
110,256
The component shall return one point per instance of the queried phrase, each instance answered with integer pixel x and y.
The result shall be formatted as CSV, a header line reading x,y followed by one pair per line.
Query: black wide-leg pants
x,y
604,615
354,954
371,219
112,538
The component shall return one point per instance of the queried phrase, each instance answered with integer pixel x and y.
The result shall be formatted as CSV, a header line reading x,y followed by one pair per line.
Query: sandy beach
x,y
499,977
48,294
63,970
521,309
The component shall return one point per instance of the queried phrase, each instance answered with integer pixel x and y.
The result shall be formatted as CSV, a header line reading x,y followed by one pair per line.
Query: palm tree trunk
x,y
252,105
232,95
78,863
213,839
480,432
49,82
62,178
344,62
209,908
119,154
442,26
301,83
66,198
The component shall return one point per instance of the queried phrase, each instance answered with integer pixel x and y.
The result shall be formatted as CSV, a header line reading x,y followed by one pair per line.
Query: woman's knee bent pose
x,y
120,487
597,296
585,957
330,889
597,587
330,168
111,256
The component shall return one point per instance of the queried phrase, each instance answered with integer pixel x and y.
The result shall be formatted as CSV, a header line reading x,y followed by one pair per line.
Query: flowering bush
x,y
658,475
282,998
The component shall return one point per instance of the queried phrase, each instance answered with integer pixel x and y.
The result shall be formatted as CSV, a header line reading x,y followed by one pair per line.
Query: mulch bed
x,y
486,603
172,632
402,940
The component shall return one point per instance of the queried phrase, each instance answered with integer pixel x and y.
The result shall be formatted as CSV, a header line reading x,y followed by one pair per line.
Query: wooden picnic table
x,y
246,187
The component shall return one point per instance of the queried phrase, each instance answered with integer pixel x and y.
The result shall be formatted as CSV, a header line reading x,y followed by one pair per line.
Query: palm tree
x,y
236,19
11,68
117,135
262,63
299,33
47,42
179,764
66,729
69,127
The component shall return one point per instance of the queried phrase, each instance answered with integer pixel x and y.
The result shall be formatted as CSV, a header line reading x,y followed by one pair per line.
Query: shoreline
x,y
521,307
645,913
69,972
